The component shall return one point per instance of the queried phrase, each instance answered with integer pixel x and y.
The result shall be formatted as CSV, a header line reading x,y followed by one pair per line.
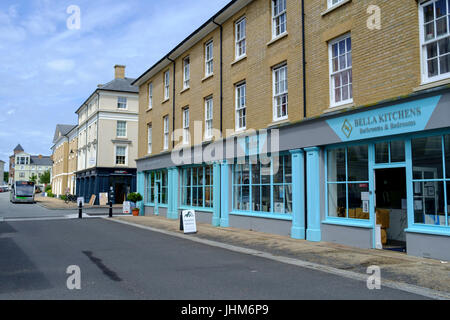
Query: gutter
x,y
173,102
304,59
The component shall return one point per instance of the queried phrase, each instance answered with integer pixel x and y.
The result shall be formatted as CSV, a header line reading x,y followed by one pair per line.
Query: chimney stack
x,y
119,71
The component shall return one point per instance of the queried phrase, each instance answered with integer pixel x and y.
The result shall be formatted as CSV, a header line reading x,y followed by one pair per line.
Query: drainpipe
x,y
173,104
221,77
304,58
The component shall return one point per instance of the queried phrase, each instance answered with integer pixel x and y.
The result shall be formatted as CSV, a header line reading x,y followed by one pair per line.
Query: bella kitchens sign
x,y
402,118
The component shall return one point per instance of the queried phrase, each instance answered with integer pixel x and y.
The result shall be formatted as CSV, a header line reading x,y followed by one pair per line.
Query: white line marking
x,y
426,292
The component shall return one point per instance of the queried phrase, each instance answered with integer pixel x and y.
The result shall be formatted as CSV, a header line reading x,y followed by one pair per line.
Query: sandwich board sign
x,y
80,200
126,207
189,223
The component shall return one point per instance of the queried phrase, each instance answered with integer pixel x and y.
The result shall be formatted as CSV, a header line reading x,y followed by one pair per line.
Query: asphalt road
x,y
122,262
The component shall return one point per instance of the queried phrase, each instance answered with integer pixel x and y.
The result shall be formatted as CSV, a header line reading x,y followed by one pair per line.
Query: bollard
x,y
110,209
80,210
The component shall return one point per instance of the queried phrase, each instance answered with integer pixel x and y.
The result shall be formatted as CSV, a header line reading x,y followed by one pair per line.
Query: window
x,y
389,152
208,118
121,155
150,95
241,48
156,187
280,93
263,188
186,137
347,181
332,3
435,39
121,103
278,17
241,113
150,138
22,175
166,132
167,85
209,56
341,78
121,129
197,187
431,180
186,72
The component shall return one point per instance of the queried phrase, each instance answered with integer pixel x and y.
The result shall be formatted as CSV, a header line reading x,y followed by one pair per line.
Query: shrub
x,y
134,197
48,189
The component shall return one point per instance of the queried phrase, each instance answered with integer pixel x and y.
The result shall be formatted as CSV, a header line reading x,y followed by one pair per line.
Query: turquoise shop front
x,y
386,185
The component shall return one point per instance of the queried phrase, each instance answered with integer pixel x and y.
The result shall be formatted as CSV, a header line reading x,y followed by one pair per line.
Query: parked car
x,y
38,189
4,189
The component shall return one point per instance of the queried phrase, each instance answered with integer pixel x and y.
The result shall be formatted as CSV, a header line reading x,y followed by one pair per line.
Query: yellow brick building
x,y
292,117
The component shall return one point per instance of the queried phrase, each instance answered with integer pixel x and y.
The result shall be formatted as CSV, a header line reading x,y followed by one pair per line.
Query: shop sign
x,y
402,118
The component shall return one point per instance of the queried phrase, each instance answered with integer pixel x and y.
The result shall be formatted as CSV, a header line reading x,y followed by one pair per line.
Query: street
x,y
122,262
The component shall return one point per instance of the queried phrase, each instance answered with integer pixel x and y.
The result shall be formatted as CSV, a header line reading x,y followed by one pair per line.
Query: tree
x,y
6,177
45,178
33,178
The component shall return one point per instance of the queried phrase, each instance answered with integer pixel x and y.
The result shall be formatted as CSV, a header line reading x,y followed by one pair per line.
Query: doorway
x,y
391,207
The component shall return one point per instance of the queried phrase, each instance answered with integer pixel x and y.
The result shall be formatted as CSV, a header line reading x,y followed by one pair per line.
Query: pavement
x,y
58,204
396,267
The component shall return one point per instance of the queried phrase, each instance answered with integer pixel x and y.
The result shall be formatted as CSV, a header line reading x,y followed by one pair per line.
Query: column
x,y
141,190
223,196
172,213
298,195
216,195
313,232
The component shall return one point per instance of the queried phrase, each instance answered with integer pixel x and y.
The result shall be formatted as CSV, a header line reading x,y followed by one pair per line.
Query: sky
x,y
49,66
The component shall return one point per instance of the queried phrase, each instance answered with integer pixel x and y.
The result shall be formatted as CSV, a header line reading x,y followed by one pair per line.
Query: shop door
x,y
391,207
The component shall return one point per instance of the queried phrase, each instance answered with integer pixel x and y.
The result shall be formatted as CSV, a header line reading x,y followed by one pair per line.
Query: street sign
x,y
189,222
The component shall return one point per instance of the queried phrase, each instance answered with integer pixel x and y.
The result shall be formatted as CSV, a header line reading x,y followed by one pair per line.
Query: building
x,y
27,165
2,168
64,156
107,139
341,135
12,163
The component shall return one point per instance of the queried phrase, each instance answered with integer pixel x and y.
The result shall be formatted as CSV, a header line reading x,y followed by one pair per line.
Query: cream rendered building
x,y
107,139
27,165
2,170
64,152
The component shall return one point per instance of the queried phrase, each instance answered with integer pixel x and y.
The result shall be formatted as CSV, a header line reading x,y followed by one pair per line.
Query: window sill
x,y
279,122
149,109
349,222
275,216
281,36
208,77
184,90
239,60
166,100
432,84
340,107
335,7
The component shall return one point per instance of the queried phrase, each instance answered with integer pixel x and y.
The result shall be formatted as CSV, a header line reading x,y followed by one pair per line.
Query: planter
x,y
135,212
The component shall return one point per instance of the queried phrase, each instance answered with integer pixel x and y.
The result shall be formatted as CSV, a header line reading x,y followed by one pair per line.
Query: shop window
x,y
431,188
197,187
156,187
263,188
447,157
348,182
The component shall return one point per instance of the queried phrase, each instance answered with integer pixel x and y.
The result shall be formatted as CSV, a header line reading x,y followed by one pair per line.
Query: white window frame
x,y
186,135
280,94
333,74
116,155
150,138
241,108
167,85
166,132
331,4
119,130
240,38
276,17
186,72
209,58
424,43
150,95
122,103
209,115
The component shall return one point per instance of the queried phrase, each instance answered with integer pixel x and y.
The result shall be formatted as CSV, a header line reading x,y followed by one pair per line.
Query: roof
x,y
117,85
18,148
64,129
43,161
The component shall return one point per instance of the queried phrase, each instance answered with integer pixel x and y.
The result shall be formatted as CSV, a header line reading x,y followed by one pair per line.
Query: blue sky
x,y
47,71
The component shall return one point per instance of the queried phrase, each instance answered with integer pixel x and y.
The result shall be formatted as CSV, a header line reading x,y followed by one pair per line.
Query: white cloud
x,y
62,65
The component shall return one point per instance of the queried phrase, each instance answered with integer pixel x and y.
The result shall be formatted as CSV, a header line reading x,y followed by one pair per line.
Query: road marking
x,y
426,292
